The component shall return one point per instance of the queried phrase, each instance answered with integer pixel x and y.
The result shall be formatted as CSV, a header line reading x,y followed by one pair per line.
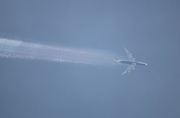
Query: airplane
x,y
131,62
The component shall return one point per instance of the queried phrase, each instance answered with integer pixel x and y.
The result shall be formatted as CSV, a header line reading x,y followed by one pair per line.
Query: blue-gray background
x,y
149,29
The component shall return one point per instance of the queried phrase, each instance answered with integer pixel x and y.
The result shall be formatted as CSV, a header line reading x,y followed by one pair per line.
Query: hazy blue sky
x,y
148,29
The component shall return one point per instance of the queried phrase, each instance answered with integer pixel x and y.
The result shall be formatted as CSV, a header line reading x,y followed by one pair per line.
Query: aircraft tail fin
x,y
116,60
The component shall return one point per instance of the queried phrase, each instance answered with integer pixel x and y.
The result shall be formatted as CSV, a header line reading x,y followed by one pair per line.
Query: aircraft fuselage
x,y
133,62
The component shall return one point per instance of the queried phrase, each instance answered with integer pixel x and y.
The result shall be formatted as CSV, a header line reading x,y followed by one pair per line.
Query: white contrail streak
x,y
18,49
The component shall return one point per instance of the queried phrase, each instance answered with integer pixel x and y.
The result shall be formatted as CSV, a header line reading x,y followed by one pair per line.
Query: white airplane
x,y
131,62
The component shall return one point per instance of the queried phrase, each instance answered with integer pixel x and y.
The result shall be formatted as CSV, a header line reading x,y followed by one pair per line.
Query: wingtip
x,y
125,49
123,73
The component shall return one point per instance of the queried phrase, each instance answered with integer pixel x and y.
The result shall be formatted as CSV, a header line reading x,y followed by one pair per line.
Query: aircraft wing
x,y
129,55
128,69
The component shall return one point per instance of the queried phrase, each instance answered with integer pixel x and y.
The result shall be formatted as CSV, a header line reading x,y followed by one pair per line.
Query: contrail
x,y
25,50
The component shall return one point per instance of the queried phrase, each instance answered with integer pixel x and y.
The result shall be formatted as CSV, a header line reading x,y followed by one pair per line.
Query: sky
x,y
38,88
